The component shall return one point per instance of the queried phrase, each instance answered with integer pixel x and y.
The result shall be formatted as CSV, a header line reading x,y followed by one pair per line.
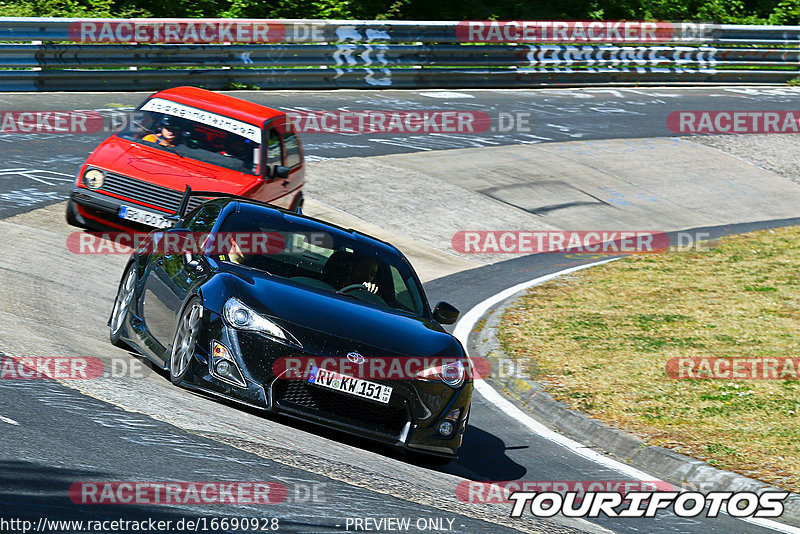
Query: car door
x,y
171,278
292,158
271,189
161,295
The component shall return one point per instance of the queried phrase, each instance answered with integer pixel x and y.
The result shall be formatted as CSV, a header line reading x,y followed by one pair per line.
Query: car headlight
x,y
240,316
452,374
94,178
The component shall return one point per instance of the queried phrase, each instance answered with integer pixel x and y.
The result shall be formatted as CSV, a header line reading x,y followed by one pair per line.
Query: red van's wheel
x,y
297,207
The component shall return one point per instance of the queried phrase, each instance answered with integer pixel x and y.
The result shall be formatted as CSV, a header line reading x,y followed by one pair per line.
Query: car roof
x,y
315,224
230,106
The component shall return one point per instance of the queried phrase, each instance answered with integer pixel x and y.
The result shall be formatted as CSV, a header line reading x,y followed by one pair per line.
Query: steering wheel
x,y
351,287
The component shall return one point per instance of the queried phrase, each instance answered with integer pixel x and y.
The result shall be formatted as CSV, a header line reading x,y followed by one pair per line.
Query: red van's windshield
x,y
196,134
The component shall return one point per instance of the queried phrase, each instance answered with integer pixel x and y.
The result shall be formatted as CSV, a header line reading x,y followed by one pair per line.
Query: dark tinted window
x,y
321,260
202,219
194,140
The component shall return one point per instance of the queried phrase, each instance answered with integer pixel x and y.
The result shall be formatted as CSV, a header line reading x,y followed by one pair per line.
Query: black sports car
x,y
325,324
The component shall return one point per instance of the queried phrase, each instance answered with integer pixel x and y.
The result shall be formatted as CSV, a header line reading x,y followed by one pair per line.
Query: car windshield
x,y
325,261
196,134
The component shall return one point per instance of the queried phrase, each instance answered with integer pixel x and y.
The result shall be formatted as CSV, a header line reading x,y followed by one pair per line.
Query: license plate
x,y
350,385
144,217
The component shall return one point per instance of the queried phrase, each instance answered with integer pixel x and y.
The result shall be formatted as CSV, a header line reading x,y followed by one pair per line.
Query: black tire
x,y
297,207
122,305
184,343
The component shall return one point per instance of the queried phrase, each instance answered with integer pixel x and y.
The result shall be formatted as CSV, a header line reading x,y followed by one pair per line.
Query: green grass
x,y
600,341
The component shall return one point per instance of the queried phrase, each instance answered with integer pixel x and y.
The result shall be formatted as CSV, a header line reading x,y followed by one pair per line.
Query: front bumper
x,y
410,420
101,212
393,424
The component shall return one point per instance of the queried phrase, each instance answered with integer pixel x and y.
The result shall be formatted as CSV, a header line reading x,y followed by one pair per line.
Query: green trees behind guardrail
x,y
718,11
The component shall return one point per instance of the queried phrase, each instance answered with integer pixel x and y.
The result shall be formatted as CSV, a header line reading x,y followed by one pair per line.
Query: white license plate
x,y
141,216
350,385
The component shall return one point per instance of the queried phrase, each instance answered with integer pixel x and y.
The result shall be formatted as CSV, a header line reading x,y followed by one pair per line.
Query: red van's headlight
x,y
94,178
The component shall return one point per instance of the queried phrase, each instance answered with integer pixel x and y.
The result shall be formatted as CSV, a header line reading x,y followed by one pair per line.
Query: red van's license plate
x,y
144,217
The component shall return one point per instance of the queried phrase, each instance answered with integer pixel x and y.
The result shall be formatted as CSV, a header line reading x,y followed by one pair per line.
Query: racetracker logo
x,y
531,31
53,368
68,368
389,122
733,122
535,242
388,368
177,242
700,368
474,492
52,122
177,493
177,31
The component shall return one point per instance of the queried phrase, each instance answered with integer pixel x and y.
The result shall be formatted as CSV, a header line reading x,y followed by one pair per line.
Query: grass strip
x,y
600,341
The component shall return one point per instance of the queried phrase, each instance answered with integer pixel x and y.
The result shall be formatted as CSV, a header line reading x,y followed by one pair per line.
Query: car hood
x,y
169,170
300,310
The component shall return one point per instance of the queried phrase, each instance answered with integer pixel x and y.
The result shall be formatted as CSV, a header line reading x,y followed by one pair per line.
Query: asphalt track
x,y
37,169
156,432
63,437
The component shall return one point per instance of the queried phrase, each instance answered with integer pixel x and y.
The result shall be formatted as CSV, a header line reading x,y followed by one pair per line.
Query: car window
x,y
292,145
405,291
202,219
367,272
196,140
274,155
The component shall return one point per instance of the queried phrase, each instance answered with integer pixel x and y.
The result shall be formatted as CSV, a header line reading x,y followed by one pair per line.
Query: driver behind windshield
x,y
318,260
168,135
362,271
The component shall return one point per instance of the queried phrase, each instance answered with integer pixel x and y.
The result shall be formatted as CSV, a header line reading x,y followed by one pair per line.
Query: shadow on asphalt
x,y
484,454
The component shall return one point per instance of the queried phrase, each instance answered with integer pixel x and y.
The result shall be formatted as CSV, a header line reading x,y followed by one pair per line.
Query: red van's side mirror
x,y
279,171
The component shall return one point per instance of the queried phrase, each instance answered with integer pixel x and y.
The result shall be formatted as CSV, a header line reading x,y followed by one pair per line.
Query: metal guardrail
x,y
63,54
366,55
149,80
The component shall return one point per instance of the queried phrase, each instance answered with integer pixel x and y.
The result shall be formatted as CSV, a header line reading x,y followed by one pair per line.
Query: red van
x,y
185,136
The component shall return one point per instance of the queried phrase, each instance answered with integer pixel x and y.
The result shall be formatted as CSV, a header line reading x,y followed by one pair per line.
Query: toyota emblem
x,y
355,357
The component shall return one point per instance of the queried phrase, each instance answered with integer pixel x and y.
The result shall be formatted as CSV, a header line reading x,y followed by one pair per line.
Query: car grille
x,y
362,413
155,195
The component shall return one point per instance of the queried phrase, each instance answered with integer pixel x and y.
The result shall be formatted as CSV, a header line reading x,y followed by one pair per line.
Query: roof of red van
x,y
229,106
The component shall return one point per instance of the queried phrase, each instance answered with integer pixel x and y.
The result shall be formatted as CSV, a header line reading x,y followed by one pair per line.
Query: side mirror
x,y
175,243
192,261
279,171
445,313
